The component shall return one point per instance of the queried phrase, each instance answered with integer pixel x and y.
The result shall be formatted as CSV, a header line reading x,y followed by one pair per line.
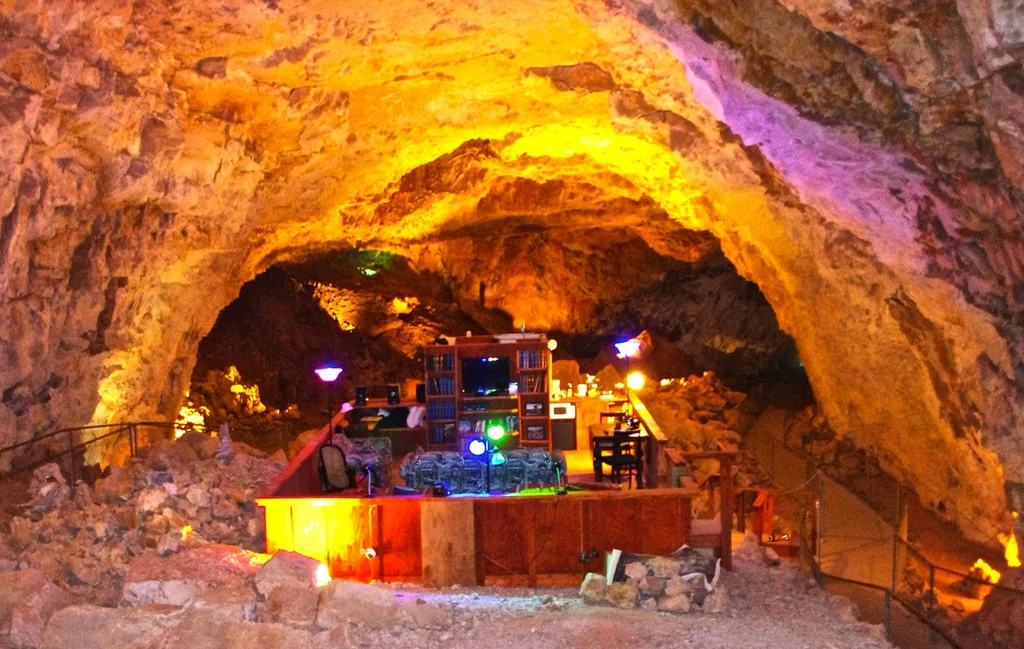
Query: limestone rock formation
x,y
157,527
859,163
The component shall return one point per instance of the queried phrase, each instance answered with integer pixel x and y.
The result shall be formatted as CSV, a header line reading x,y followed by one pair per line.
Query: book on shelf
x,y
534,383
441,410
478,427
442,434
441,385
531,359
441,362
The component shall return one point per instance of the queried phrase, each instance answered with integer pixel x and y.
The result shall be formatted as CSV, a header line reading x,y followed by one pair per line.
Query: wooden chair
x,y
624,454
334,472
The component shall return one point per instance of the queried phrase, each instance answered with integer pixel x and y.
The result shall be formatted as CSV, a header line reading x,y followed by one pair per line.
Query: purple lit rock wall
x,y
860,164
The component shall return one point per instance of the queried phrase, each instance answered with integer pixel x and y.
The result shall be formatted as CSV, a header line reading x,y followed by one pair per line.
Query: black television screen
x,y
485,377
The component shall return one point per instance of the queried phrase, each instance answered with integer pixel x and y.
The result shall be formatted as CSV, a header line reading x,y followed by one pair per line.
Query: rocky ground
x,y
194,491
697,411
161,553
279,604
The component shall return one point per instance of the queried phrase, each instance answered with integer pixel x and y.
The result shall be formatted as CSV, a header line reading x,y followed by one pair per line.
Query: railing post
x,y
895,554
931,603
888,614
725,509
71,458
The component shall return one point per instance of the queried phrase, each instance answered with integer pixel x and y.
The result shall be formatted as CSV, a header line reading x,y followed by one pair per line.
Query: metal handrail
x,y
118,429
950,571
889,594
75,429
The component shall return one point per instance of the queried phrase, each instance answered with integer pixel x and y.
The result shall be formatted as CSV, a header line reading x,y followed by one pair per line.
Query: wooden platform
x,y
481,540
478,540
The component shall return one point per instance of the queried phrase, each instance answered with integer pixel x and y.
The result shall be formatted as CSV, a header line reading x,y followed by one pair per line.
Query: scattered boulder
x,y
28,619
346,602
234,601
293,606
202,630
674,603
664,567
151,500
652,586
165,455
288,569
678,583
594,588
204,446
699,411
115,487
623,595
15,589
169,543
49,488
95,626
198,496
89,540
179,579
636,570
144,628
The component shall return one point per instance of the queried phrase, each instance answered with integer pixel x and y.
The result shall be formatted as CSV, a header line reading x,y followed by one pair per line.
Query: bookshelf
x,y
454,418
533,366
441,380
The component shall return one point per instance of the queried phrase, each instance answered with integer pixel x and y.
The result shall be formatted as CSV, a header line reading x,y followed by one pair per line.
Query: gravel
x,y
769,607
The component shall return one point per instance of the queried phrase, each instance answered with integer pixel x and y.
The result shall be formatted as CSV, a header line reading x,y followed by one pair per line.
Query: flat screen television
x,y
485,377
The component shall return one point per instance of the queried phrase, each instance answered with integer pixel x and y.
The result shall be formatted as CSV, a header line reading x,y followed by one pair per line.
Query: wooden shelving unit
x,y
453,418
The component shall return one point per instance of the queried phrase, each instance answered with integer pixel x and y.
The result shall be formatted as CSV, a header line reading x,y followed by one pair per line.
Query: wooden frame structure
x,y
490,539
448,410
484,540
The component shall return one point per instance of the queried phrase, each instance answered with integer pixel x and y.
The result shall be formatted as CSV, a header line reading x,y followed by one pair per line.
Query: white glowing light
x,y
323,575
328,374
628,348
635,381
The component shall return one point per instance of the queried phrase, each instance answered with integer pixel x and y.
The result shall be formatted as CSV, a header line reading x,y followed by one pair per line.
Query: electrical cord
x,y
800,488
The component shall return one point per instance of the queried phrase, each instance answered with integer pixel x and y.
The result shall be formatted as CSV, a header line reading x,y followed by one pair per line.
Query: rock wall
x,y
859,163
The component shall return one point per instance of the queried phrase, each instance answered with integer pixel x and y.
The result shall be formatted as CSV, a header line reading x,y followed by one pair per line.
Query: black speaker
x,y
393,398
421,393
360,396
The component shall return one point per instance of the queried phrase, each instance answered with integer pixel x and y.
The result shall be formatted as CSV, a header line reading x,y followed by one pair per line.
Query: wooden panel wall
x,y
447,531
483,540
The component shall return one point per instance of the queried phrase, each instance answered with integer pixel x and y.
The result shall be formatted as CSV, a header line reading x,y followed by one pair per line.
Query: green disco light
x,y
495,432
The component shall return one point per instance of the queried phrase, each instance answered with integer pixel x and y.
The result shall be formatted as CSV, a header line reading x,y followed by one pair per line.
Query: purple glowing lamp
x,y
628,348
328,374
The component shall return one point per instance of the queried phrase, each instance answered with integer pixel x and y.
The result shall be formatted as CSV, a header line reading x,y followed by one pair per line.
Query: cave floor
x,y
768,608
579,466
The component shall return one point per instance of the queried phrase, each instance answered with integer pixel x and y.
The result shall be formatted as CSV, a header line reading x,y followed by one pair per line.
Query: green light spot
x,y
494,433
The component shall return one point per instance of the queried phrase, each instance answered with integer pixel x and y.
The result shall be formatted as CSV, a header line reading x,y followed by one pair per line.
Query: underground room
x,y
554,324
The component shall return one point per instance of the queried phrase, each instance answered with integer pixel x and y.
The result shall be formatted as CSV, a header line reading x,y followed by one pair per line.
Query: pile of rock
x,y
188,492
697,411
219,596
224,395
685,582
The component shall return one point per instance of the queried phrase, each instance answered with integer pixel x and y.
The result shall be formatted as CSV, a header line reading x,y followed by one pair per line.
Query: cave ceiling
x,y
860,162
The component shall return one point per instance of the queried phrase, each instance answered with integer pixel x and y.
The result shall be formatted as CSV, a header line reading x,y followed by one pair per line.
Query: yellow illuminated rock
x,y
156,156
